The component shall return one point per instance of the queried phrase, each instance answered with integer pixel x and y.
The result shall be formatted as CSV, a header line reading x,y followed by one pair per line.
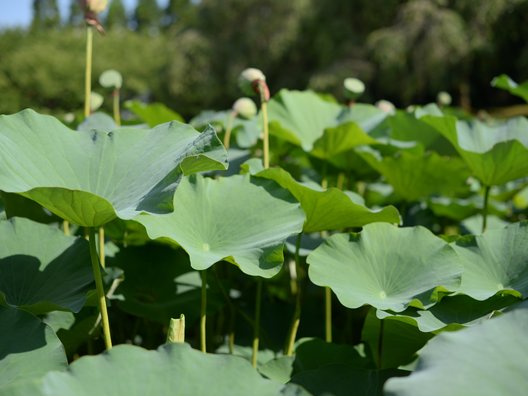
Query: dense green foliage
x,y
405,51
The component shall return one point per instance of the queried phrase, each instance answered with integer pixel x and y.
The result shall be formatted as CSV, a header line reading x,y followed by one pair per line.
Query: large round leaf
x,y
41,269
486,359
494,261
241,219
332,209
505,82
154,113
89,178
28,348
173,369
415,175
301,117
495,154
384,266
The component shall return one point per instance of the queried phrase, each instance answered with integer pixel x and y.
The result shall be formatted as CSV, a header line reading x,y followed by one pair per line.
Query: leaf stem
x,y
256,329
485,208
265,128
116,110
380,344
66,227
101,298
101,235
229,128
297,312
328,314
88,71
203,311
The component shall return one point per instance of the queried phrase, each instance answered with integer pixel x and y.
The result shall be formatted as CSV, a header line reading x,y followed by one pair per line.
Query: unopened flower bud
x,y
353,88
251,81
386,106
443,98
96,6
245,107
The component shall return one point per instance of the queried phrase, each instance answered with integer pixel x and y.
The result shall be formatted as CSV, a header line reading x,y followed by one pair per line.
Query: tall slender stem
x,y
101,298
102,259
297,312
88,69
256,330
229,128
203,311
328,314
116,110
485,208
380,344
66,227
265,127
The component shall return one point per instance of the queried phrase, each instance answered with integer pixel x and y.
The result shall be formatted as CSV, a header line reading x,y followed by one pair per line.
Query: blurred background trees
x,y
188,53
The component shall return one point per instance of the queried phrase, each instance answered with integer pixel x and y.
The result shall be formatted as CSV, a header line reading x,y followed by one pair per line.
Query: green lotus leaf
x,y
153,114
332,209
462,208
495,154
473,224
384,266
100,121
90,178
415,175
301,117
495,261
486,359
452,312
241,219
19,206
339,140
344,380
367,116
173,369
505,82
28,350
41,269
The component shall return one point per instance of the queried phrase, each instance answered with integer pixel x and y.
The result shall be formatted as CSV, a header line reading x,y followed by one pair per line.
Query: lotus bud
x,y
251,81
385,106
91,9
96,101
443,98
245,107
96,6
111,79
353,88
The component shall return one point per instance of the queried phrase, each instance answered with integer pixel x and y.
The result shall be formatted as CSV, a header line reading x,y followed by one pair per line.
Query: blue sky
x,y
15,13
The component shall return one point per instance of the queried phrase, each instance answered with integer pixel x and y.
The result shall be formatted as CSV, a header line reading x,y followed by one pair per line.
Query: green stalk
x,y
101,298
297,312
256,330
328,314
485,208
229,128
66,227
380,344
203,311
117,113
264,111
102,259
88,73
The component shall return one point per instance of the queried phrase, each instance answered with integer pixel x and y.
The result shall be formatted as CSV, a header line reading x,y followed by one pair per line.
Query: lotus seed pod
x,y
353,88
443,98
96,101
111,79
245,107
248,79
386,106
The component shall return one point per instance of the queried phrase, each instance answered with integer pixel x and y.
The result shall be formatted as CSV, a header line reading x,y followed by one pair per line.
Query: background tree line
x,y
189,53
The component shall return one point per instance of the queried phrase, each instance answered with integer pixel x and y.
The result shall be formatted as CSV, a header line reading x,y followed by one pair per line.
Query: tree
x,y
76,17
116,17
147,16
46,15
179,12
